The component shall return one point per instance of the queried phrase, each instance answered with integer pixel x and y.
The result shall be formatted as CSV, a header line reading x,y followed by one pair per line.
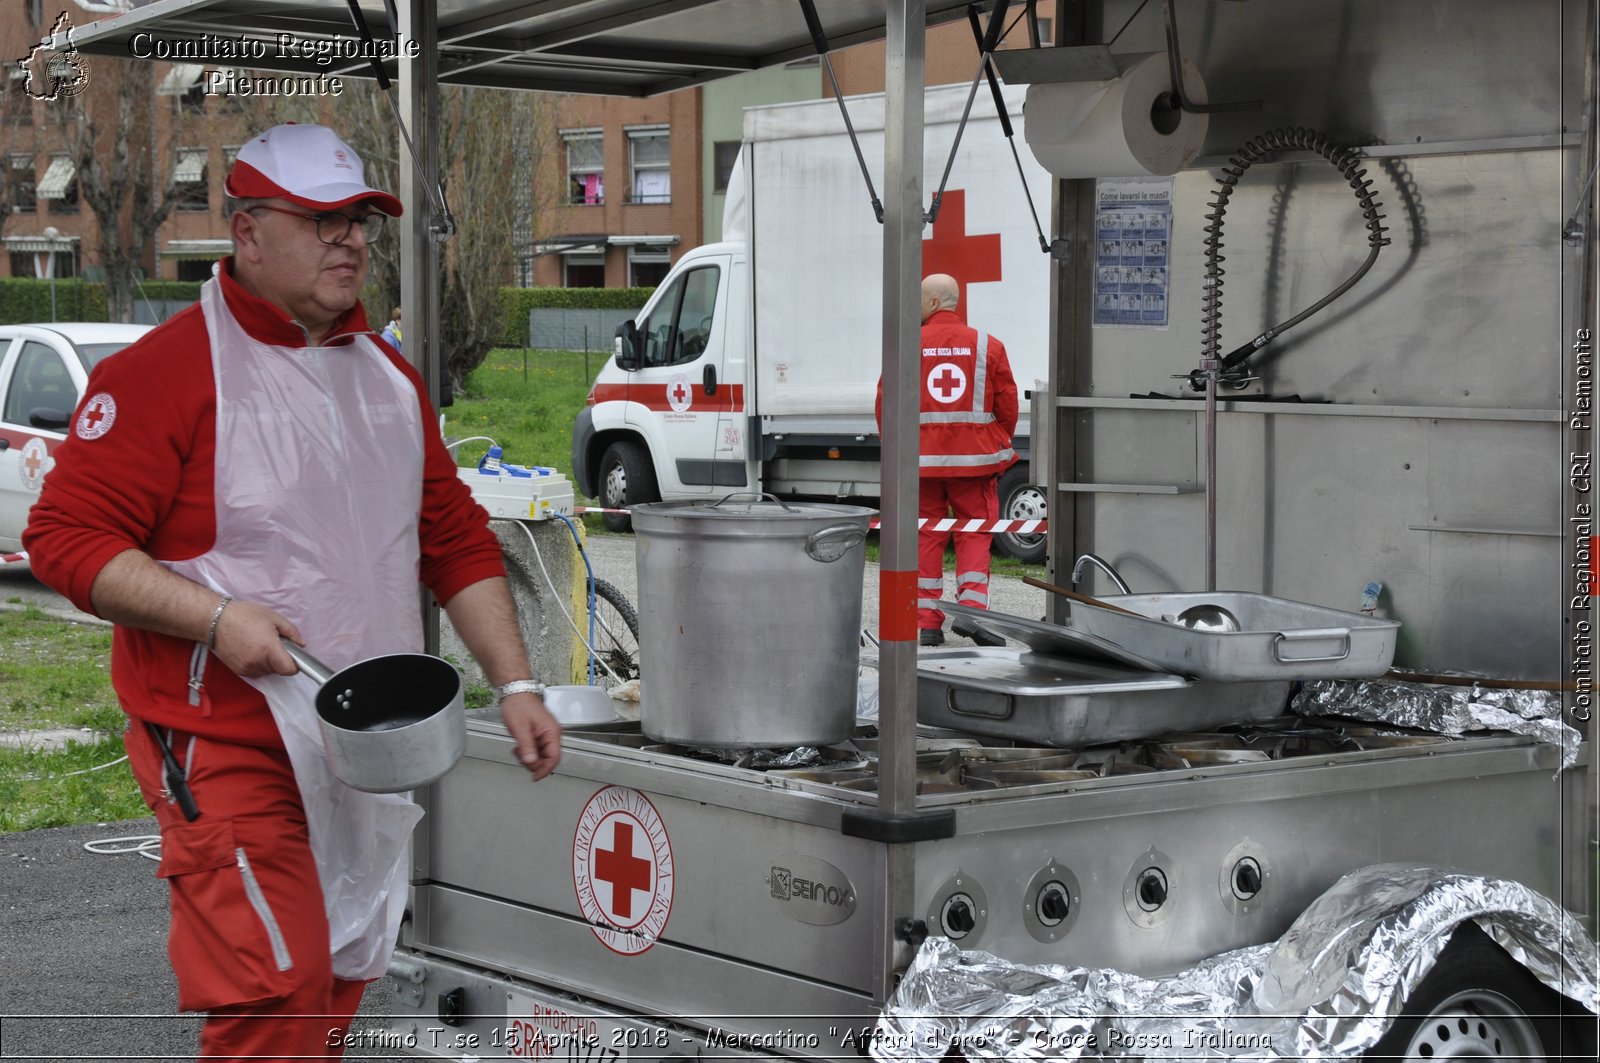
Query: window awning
x,y
191,166
57,179
576,244
180,79
205,250
41,244
625,241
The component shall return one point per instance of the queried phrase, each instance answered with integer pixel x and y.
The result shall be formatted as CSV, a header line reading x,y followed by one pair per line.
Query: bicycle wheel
x,y
616,636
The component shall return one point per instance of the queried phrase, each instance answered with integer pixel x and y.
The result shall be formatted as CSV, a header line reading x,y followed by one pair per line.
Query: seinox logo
x,y
811,890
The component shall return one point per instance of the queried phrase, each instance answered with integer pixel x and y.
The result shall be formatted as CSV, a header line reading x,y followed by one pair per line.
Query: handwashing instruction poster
x,y
1132,222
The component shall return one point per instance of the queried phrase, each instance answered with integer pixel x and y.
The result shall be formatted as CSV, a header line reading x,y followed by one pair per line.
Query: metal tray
x,y
1053,639
1278,638
1056,701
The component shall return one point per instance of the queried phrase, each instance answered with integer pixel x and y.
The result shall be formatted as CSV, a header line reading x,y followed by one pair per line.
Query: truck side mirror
x,y
626,346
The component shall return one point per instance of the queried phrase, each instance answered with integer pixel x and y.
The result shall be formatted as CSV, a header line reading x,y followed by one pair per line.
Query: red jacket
x,y
152,491
969,401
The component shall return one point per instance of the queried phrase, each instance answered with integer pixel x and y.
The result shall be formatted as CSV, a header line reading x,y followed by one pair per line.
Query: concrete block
x,y
556,653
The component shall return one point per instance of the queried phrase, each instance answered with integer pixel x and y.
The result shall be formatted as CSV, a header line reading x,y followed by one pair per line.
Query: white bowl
x,y
579,706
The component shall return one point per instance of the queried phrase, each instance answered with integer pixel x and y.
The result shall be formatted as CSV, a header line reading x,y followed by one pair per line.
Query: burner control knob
x,y
958,916
1151,889
1246,878
1054,903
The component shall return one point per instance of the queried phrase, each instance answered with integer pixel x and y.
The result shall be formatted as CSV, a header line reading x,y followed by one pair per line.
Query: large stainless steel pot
x,y
751,609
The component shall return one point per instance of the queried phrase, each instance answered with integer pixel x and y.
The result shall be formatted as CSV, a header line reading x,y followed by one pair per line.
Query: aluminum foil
x,y
1326,988
1446,710
761,759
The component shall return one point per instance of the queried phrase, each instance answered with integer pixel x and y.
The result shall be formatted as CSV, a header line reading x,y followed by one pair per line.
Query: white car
x,y
43,371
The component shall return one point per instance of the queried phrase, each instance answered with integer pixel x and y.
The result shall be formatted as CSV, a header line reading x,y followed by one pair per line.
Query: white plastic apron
x,y
318,494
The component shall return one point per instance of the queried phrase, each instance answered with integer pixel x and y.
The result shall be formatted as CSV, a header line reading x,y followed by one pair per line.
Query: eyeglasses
x,y
334,227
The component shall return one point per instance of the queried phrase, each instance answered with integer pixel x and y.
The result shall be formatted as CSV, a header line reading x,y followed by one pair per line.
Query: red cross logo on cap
x,y
947,382
622,869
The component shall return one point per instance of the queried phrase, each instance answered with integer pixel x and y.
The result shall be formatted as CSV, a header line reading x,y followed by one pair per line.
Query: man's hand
x,y
247,640
535,731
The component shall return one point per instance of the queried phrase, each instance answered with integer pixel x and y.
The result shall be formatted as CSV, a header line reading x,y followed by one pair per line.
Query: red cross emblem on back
x,y
947,382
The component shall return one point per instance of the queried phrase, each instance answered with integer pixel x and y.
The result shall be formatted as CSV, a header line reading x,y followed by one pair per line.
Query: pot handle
x,y
312,667
756,496
833,542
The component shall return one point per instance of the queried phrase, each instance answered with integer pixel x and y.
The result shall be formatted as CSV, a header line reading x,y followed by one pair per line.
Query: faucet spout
x,y
1104,566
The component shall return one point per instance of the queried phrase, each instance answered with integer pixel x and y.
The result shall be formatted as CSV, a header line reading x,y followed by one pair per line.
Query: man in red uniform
x,y
969,412
260,468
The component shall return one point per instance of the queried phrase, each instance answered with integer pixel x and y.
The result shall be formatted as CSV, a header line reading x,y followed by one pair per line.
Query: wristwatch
x,y
518,686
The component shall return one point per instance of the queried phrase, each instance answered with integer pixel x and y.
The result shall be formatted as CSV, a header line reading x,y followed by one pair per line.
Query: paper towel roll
x,y
1106,128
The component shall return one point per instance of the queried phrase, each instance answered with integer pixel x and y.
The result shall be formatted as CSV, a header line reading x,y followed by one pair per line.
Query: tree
x,y
110,134
491,141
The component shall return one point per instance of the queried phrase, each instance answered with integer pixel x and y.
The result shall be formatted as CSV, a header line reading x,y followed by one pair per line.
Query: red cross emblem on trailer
x,y
98,415
622,869
35,460
679,393
947,382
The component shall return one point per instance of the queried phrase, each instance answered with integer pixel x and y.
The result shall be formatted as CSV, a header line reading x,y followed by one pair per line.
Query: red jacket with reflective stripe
x,y
969,401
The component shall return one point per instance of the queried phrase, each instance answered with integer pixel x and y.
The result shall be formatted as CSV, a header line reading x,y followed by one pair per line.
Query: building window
x,y
37,264
651,157
583,271
35,14
648,265
19,105
60,186
586,177
724,154
191,187
21,185
194,269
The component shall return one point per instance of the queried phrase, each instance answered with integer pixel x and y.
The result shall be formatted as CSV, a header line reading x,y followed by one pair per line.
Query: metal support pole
x,y
902,383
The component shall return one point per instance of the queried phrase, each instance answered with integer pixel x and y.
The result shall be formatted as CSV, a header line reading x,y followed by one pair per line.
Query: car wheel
x,y
1021,500
626,478
1479,1003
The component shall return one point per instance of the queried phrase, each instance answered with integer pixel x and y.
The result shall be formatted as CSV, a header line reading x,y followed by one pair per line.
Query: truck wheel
x,y
626,478
1479,1003
1021,500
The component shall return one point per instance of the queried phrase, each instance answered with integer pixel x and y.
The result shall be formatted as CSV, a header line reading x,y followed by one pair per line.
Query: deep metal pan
x,y
1057,701
1277,638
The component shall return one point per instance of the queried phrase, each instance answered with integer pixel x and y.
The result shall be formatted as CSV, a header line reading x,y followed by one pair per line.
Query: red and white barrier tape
x,y
6,559
999,527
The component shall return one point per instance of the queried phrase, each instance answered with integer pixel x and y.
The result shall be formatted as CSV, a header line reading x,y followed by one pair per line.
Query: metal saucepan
x,y
389,723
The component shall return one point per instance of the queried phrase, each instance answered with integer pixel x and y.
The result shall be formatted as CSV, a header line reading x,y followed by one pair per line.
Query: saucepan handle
x,y
1341,634
308,664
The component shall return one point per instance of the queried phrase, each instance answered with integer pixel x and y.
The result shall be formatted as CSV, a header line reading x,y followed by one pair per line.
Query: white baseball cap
x,y
305,164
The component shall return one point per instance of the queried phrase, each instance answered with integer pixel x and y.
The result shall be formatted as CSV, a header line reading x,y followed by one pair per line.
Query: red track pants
x,y
249,937
963,497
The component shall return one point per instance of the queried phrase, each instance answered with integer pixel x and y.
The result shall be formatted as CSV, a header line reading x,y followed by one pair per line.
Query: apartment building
x,y
593,239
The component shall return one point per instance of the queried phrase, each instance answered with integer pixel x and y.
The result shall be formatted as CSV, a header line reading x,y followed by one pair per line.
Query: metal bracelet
x,y
216,615
518,686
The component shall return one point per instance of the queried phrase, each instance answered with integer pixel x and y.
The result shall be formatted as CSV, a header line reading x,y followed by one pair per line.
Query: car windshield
x,y
95,353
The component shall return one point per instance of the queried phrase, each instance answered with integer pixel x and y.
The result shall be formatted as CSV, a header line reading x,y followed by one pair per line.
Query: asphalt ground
x,y
83,968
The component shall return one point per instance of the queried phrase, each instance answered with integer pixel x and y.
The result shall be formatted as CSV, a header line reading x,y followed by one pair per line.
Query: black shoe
x,y
930,636
971,629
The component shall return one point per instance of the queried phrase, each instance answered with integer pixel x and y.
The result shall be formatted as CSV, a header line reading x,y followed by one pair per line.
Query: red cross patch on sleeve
x,y
98,415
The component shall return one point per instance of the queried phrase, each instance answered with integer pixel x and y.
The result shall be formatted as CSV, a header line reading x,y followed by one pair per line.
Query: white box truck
x,y
754,365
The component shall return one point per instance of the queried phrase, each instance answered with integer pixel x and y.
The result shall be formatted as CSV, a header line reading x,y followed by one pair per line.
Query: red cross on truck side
x,y
624,871
969,259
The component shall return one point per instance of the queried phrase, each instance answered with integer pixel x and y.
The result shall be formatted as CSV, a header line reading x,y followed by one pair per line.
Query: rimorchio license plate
x,y
539,1027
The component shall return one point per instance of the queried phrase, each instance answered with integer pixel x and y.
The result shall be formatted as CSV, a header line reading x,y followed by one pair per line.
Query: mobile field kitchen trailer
x,y
1321,317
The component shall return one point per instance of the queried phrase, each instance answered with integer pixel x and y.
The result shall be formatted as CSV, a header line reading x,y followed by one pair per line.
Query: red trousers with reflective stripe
x,y
249,935
965,498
